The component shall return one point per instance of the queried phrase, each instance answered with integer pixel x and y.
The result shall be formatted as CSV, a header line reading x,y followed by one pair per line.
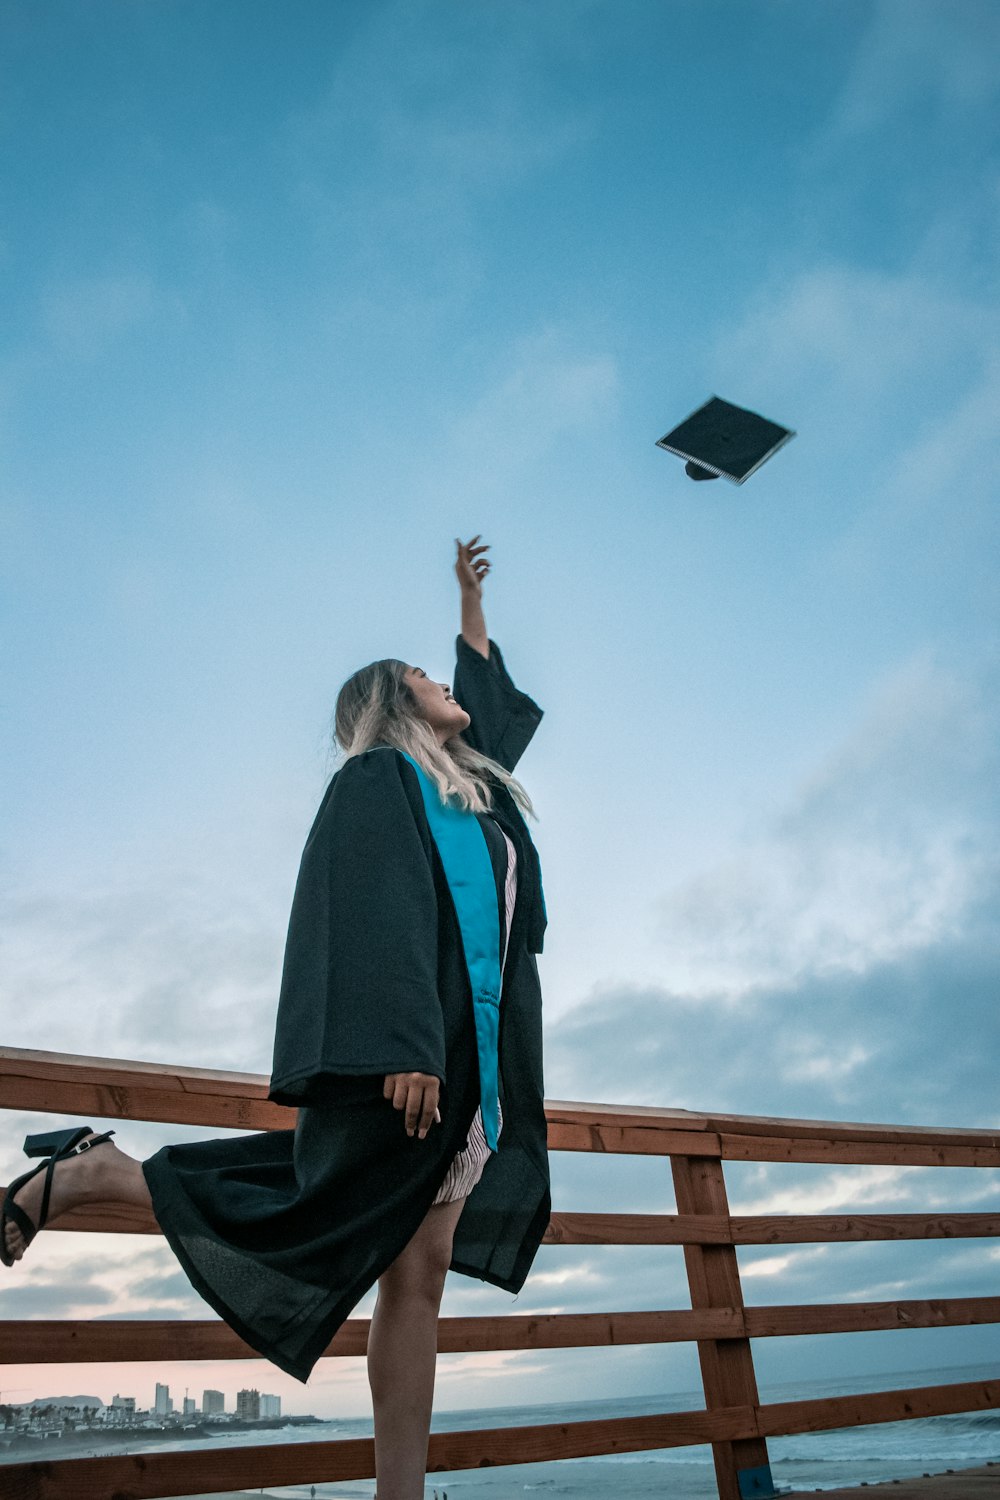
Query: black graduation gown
x,y
283,1232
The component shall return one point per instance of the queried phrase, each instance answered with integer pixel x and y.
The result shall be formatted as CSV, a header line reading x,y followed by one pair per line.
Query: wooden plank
x,y
861,1317
32,1062
713,1274
150,1476
850,1130
564,1228
114,1088
807,1229
51,1341
654,1229
789,1417
96,1099
636,1229
855,1153
564,1135
197,1096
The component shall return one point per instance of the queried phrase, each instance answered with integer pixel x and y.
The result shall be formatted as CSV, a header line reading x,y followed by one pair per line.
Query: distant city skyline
x,y
162,1404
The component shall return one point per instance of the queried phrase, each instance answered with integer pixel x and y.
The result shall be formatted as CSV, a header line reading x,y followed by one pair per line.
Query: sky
x,y
293,295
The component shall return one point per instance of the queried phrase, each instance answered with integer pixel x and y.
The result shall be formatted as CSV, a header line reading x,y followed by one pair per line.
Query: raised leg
x,y
104,1175
402,1353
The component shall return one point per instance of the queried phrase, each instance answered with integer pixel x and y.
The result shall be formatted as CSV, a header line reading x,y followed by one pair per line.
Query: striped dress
x,y
468,1165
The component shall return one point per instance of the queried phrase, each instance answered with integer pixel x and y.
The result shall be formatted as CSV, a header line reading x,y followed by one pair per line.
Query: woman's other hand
x,y
471,567
417,1094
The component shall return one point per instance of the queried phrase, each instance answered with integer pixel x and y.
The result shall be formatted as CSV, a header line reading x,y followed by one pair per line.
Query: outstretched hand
x,y
471,567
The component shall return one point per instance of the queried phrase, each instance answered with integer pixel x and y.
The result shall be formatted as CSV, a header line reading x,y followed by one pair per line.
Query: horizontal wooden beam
x,y
102,1091
784,1418
113,1088
808,1229
37,1341
629,1140
113,1099
655,1229
564,1228
853,1153
150,1476
636,1229
853,1131
865,1317
82,1341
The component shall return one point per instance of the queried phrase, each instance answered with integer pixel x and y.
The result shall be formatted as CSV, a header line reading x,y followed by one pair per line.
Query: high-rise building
x,y
212,1402
248,1406
122,1411
270,1406
189,1406
163,1405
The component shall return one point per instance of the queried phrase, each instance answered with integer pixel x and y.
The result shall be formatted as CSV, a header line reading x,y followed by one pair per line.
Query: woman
x,y
409,1036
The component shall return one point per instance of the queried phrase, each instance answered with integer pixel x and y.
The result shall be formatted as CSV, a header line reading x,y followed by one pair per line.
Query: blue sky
x,y
295,294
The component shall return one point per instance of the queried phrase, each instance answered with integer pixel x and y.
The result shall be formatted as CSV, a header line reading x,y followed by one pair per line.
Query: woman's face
x,y
436,705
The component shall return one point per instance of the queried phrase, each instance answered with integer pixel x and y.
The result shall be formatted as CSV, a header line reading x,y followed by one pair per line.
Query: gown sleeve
x,y
359,991
503,718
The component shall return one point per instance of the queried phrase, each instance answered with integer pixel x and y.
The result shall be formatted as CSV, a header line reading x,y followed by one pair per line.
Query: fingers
x,y
469,548
416,1094
471,567
425,1107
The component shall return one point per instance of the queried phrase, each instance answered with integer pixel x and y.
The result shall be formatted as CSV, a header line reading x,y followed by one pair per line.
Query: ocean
x,y
810,1462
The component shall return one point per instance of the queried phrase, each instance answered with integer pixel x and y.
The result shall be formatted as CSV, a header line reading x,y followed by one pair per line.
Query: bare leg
x,y
104,1175
402,1352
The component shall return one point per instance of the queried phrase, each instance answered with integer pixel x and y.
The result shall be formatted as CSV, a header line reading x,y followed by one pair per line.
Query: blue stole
x,y
468,868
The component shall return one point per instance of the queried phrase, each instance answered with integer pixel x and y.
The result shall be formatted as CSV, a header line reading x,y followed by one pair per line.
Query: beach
x,y
953,1484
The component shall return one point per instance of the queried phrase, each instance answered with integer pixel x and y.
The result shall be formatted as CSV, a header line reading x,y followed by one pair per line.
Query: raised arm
x,y
470,570
503,718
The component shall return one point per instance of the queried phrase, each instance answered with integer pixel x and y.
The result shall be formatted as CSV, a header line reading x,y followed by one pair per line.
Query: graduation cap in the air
x,y
722,439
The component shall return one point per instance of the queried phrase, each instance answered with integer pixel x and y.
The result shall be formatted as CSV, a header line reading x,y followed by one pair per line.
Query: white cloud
x,y
770,1264
547,390
814,1062
933,516
918,52
881,852
160,971
837,343
927,1022
837,1189
566,1277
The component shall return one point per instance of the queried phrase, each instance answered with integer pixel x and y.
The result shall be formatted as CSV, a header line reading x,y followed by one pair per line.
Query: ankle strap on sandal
x,y
62,1143
94,1140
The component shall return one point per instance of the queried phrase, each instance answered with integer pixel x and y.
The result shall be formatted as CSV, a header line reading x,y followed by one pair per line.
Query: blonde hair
x,y
376,706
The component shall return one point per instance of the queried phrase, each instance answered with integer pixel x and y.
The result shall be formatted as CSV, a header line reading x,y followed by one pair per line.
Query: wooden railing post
x,y
742,1469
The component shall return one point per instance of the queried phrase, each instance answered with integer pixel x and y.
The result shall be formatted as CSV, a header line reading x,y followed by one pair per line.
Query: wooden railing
x,y
734,1421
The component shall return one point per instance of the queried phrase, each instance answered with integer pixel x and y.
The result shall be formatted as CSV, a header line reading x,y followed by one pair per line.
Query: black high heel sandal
x,y
54,1145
